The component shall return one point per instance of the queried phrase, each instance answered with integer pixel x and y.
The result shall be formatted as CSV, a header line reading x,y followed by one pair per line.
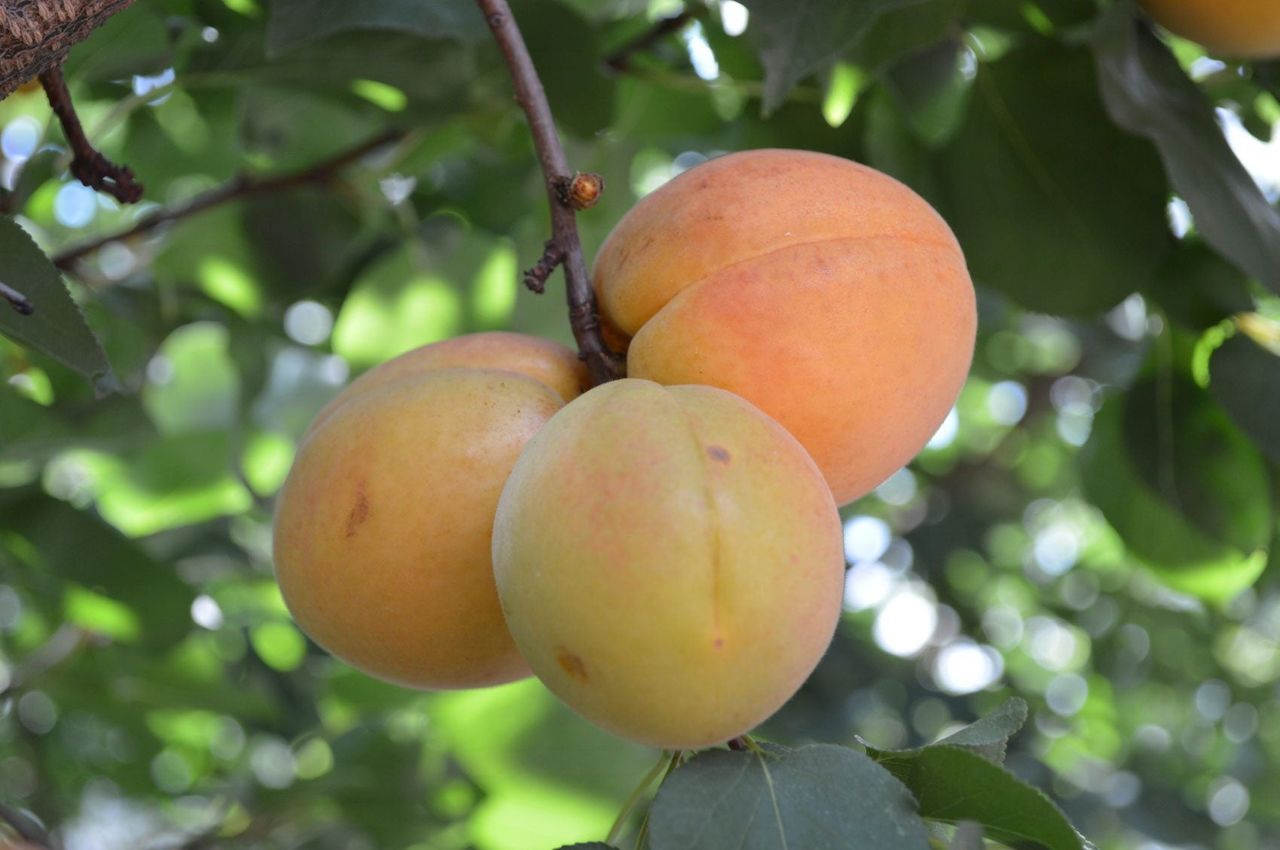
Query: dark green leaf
x,y
132,42
581,97
1185,489
77,546
933,90
899,32
954,785
990,736
819,797
1245,379
1197,288
798,37
294,22
1052,204
1147,93
57,327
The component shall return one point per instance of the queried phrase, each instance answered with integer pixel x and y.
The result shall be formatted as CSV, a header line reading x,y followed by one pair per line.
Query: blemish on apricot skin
x,y
359,512
719,453
573,665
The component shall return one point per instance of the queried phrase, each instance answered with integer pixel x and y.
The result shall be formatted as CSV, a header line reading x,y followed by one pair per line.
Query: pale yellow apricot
x,y
541,359
383,528
826,293
669,562
1233,28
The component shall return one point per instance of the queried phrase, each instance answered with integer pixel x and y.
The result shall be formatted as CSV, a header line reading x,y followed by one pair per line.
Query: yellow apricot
x,y
1241,28
828,294
541,359
383,528
669,561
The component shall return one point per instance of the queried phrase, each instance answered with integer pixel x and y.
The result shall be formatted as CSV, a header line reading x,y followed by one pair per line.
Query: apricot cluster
x,y
662,551
1245,29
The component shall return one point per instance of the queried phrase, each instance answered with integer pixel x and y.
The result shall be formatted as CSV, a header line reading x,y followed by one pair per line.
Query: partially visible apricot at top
x,y
1248,29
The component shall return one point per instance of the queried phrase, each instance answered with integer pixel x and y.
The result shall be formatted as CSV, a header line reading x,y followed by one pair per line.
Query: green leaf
x,y
1147,93
581,97
294,22
1197,288
990,736
899,32
1186,491
76,546
1052,203
953,784
819,797
57,327
593,845
1245,378
795,38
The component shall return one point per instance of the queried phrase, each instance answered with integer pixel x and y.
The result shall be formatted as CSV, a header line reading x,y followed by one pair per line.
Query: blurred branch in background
x,y
16,299
25,826
620,59
65,642
239,187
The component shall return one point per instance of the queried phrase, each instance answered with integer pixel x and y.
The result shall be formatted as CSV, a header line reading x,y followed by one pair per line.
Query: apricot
x,y
383,527
1240,28
669,561
541,359
828,294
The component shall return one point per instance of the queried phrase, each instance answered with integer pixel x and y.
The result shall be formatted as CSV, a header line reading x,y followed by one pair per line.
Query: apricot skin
x,y
669,561
383,528
1238,28
541,359
826,293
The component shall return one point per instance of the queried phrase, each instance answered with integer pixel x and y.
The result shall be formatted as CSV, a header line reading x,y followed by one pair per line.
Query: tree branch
x,y
16,299
241,186
620,59
564,248
61,645
89,167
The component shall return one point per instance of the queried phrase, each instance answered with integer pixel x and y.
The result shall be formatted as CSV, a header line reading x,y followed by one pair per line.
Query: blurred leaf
x,y
593,845
896,33
1197,288
933,89
1052,203
954,785
1187,492
819,797
1245,379
799,37
1147,92
117,568
294,22
566,52
57,327
134,41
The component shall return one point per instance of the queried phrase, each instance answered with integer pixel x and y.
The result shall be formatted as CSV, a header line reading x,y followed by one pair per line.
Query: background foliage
x,y
1094,529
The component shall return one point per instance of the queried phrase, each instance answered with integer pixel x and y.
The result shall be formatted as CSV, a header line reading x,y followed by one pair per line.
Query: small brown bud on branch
x,y
581,191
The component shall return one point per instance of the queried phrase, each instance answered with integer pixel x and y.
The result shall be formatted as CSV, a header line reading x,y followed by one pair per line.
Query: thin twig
x,y
238,187
16,299
61,645
603,363
620,59
26,827
89,167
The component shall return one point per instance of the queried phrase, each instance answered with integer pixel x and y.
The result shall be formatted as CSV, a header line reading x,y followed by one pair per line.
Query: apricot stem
x,y
564,246
620,823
